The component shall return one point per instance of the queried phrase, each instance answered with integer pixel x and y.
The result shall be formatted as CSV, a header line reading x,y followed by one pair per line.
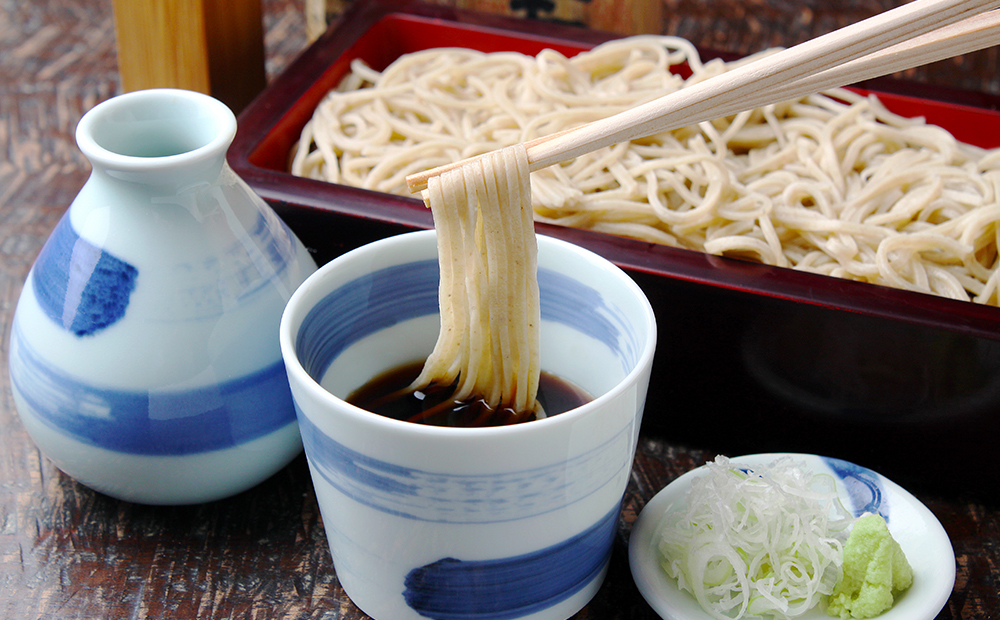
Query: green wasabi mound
x,y
874,570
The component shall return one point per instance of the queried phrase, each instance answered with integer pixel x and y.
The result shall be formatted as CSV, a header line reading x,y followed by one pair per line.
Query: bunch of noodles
x,y
832,183
490,312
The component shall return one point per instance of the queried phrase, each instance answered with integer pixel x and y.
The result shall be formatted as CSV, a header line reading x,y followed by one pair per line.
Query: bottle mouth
x,y
136,127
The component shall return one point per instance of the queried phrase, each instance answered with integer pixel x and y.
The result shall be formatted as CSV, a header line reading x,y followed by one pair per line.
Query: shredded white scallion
x,y
761,542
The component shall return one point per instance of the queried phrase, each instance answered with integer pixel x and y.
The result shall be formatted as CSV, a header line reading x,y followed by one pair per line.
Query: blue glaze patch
x,y
78,285
862,485
160,422
452,589
450,498
379,300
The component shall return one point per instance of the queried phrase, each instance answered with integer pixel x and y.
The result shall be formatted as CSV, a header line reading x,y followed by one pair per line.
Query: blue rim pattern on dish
x,y
862,485
376,301
453,589
153,422
448,498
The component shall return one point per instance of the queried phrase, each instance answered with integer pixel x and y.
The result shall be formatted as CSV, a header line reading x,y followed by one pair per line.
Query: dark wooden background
x,y
69,553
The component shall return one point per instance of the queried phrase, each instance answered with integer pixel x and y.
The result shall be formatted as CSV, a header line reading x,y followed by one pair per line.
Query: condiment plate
x,y
911,523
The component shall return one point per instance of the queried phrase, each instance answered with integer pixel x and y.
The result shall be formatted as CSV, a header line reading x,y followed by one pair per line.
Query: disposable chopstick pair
x,y
908,36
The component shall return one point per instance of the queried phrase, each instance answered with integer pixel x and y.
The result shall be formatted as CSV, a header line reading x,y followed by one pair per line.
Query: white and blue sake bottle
x,y
144,357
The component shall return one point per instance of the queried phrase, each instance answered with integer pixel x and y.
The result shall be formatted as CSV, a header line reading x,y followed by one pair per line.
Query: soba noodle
x,y
833,183
490,312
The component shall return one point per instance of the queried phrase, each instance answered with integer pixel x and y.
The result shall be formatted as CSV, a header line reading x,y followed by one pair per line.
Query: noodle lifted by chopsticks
x,y
490,314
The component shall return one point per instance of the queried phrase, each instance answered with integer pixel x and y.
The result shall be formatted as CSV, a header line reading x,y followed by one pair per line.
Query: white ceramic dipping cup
x,y
499,522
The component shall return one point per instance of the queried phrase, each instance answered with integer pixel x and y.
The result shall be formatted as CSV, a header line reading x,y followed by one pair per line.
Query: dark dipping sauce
x,y
385,396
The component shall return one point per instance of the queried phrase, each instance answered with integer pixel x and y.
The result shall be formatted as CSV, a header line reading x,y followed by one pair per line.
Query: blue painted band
x,y
154,422
444,497
452,589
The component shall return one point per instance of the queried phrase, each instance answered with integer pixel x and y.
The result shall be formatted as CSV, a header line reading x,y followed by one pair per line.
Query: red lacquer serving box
x,y
750,358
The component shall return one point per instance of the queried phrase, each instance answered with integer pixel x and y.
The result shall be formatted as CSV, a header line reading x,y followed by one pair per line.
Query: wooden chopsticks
x,y
911,35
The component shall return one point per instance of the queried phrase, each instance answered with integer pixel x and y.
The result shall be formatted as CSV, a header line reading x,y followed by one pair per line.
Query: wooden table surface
x,y
67,552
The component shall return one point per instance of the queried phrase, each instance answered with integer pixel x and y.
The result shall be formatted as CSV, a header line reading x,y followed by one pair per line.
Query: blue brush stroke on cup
x,y
862,486
365,306
452,589
442,497
78,285
159,421
377,301
374,302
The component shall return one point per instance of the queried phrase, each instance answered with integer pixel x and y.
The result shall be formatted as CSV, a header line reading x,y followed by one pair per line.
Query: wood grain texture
x,y
68,553
162,44
211,47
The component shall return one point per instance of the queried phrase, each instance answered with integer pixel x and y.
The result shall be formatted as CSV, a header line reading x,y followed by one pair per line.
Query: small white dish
x,y
915,528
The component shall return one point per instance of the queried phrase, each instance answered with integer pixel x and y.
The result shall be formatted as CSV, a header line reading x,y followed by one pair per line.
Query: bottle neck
x,y
158,137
